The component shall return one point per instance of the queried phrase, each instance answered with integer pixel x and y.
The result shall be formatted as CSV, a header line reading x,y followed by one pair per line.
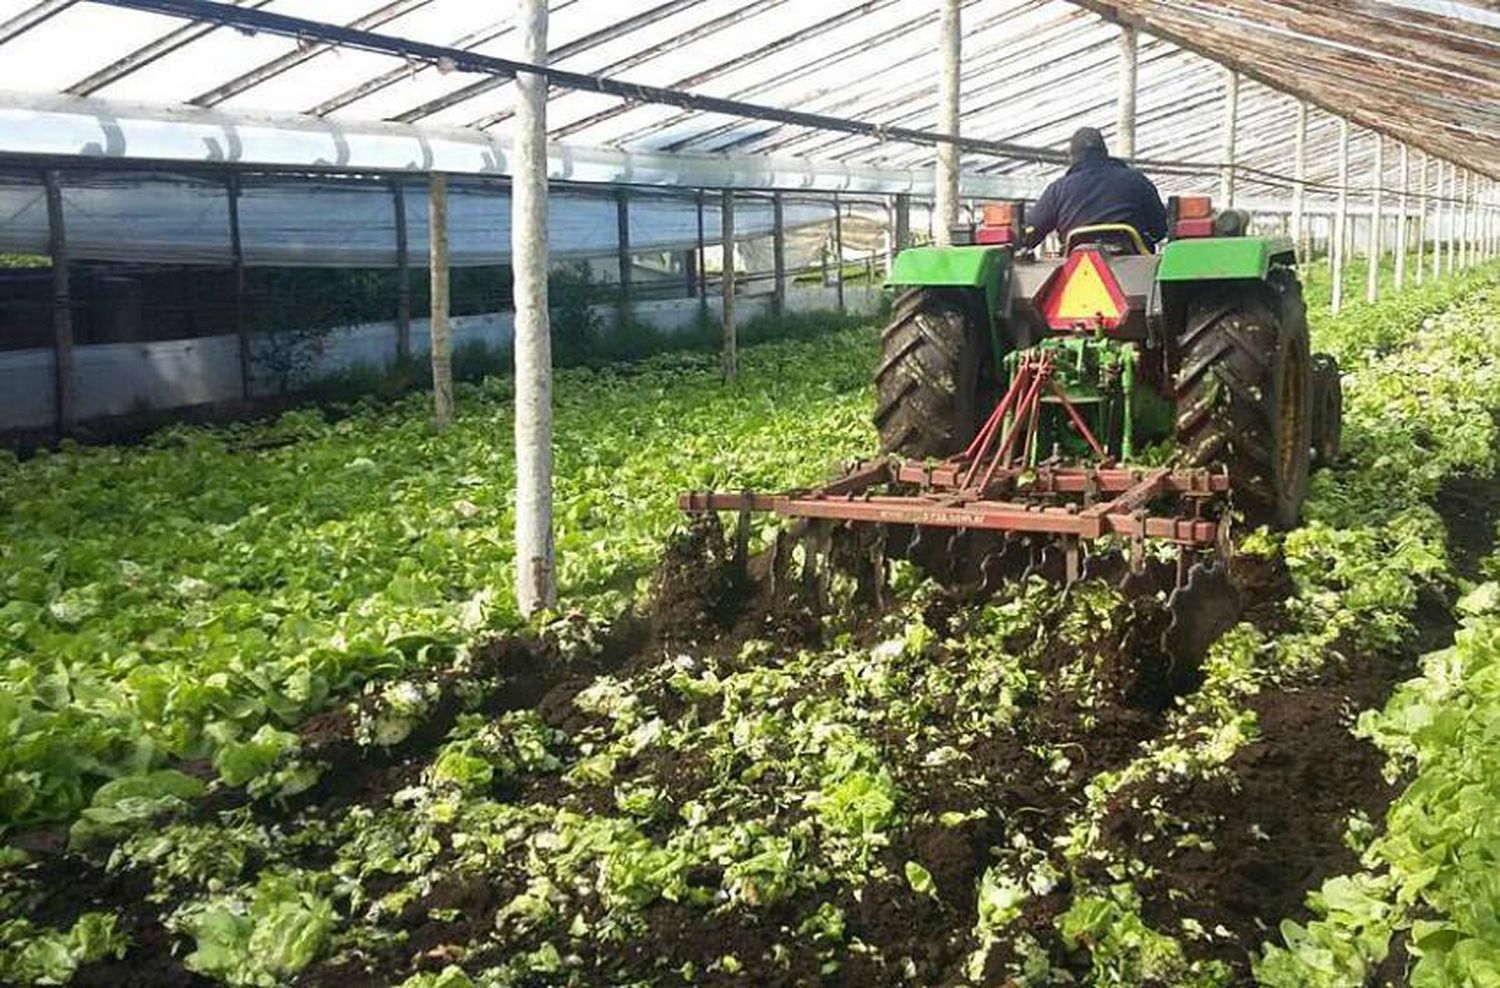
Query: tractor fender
x,y
1222,258
984,270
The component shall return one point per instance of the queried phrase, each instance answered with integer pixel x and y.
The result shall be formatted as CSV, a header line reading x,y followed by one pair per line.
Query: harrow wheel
x,y
927,384
1244,394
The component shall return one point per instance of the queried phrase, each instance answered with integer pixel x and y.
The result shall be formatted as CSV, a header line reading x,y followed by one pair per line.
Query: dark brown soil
x,y
1470,507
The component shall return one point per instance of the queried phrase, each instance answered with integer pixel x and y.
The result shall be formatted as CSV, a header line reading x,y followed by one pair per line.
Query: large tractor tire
x,y
927,384
1244,394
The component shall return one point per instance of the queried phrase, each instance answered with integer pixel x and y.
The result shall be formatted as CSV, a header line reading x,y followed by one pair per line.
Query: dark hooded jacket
x,y
1098,189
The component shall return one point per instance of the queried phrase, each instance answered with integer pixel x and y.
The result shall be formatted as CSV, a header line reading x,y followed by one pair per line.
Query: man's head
x,y
1087,142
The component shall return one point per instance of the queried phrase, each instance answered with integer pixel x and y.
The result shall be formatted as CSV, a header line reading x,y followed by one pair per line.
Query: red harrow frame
x,y
989,488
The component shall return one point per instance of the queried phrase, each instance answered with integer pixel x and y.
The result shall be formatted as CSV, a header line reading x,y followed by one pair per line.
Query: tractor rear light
x,y
1190,216
1193,207
999,214
1083,294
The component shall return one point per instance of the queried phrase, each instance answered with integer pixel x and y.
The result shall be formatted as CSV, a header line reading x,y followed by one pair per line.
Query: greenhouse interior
x,y
740,492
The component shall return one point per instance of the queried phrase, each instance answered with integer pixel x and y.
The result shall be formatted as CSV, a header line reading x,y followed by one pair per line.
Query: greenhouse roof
x,y
1425,72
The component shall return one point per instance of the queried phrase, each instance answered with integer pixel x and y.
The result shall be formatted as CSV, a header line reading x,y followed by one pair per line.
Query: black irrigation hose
x,y
457,59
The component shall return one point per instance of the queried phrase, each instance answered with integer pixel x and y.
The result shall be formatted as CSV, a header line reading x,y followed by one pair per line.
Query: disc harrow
x,y
993,513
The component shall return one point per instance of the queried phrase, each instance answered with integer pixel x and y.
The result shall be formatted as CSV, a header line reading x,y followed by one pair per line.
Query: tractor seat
x,y
1110,238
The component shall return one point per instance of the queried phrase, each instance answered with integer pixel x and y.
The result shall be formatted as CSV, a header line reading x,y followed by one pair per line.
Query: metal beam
x,y
237,260
1299,190
403,274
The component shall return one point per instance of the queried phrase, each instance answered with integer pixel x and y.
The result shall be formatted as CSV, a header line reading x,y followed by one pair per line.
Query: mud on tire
x,y
1243,393
928,379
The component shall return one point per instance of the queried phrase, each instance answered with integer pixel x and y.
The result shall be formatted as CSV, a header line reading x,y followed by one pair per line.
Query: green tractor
x,y
1107,413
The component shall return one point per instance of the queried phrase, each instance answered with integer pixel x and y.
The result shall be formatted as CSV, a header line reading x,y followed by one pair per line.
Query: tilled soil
x,y
1270,828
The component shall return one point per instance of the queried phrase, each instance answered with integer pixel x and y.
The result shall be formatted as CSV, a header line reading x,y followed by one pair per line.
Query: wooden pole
x,y
950,43
623,257
731,341
1231,125
442,337
1402,205
1437,226
403,274
1341,220
536,569
64,379
1423,205
1375,251
838,249
778,255
1125,101
237,260
1299,189
702,254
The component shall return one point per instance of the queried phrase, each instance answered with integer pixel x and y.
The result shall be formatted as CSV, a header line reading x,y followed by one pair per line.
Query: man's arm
x,y
1041,219
1153,210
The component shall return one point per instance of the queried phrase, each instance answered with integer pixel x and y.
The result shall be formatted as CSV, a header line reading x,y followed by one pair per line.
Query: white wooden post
x,y
1126,99
442,339
1455,212
1401,226
1341,219
1375,252
536,570
950,42
1299,188
1424,204
1437,226
1231,122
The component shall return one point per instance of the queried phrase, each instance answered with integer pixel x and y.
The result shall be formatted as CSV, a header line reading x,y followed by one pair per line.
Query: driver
x,y
1097,189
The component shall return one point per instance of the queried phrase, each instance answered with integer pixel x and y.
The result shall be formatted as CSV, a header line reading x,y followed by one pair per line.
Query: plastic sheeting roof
x,y
1424,71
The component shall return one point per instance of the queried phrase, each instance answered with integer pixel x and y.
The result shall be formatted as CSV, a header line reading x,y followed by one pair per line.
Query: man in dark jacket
x,y
1097,189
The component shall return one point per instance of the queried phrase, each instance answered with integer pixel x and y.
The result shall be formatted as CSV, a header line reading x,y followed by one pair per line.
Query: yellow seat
x,y
1119,233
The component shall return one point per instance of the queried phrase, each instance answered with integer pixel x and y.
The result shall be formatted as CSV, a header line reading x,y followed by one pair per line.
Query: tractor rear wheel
x,y
927,383
1243,393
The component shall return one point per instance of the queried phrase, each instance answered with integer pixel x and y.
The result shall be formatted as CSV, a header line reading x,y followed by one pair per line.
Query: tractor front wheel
x,y
1244,390
927,383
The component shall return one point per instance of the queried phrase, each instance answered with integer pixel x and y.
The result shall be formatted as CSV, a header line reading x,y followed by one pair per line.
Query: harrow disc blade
x,y
1108,566
1203,608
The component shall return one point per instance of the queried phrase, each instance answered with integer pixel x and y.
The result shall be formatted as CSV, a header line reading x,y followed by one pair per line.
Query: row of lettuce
x,y
167,602
1422,384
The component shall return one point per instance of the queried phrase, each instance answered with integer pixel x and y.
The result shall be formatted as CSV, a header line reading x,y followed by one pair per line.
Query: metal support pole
x,y
1125,126
403,274
903,221
441,352
950,41
838,249
623,256
1375,251
1424,204
1299,189
731,340
778,255
1437,226
237,261
1401,226
1341,221
536,570
64,381
1231,123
